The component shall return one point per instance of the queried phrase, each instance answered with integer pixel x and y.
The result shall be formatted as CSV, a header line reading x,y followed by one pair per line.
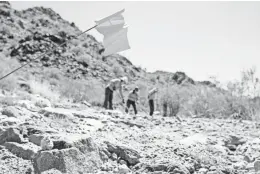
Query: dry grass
x,y
6,66
44,89
78,91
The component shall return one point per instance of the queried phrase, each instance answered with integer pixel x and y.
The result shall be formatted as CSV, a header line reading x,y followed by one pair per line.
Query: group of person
x,y
133,97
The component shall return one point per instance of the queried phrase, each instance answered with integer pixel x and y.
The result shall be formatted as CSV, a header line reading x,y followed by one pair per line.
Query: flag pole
x,y
48,52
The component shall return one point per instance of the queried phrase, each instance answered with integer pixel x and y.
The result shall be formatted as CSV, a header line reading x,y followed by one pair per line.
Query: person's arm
x,y
121,93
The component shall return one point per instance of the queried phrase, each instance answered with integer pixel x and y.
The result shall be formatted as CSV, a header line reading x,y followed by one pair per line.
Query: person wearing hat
x,y
110,88
132,100
151,96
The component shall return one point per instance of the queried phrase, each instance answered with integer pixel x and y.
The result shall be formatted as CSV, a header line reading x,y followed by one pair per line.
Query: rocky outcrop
x,y
11,111
26,151
12,135
71,161
181,77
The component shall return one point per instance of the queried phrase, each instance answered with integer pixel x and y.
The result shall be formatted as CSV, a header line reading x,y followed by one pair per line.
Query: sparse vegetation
x,y
6,66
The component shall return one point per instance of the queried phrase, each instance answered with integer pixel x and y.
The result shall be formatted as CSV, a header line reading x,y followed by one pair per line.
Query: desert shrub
x,y
118,71
52,73
6,66
78,50
5,30
44,89
7,101
170,101
79,91
75,42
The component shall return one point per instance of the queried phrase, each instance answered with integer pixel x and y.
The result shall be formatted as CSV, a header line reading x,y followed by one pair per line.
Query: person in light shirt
x,y
112,86
132,100
151,97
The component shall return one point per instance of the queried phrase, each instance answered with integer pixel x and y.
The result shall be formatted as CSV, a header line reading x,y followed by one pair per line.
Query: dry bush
x,y
6,66
5,30
52,73
201,101
7,101
118,70
78,50
43,88
78,91
170,101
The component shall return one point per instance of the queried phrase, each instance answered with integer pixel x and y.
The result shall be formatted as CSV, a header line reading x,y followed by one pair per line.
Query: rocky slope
x,y
27,34
93,140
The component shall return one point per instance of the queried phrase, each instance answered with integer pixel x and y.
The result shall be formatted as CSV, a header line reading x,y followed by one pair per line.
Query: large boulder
x,y
11,135
9,121
26,151
70,161
36,139
11,111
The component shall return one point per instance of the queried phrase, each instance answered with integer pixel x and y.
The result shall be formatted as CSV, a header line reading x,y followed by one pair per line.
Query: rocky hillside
x,y
26,34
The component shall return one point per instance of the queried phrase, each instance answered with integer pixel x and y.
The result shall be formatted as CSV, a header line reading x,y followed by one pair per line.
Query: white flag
x,y
115,33
116,42
111,24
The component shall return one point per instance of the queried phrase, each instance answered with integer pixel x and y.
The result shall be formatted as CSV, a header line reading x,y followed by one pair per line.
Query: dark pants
x,y
128,103
151,105
108,98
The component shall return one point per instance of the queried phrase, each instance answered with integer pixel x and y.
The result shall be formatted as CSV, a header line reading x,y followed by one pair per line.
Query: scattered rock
x,y
250,166
46,143
240,165
174,167
52,171
129,155
114,156
123,169
42,102
257,166
213,168
233,141
122,162
26,104
57,113
212,172
10,121
203,171
36,139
